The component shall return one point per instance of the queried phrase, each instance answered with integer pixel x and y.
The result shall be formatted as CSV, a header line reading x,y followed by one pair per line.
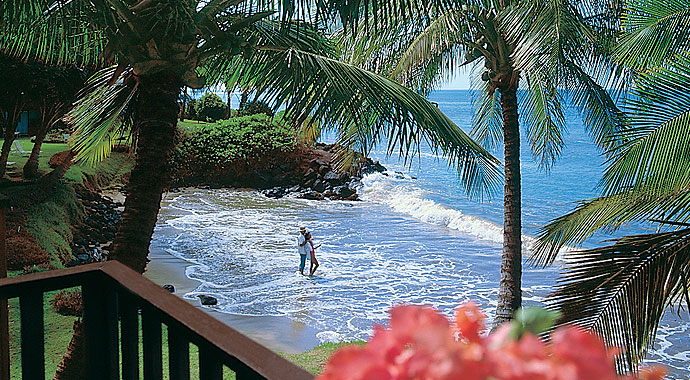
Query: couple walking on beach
x,y
305,246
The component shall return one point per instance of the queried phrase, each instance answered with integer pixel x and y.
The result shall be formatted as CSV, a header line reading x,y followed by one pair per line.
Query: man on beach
x,y
302,248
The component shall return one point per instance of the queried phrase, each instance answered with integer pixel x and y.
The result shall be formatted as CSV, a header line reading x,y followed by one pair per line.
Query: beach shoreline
x,y
277,333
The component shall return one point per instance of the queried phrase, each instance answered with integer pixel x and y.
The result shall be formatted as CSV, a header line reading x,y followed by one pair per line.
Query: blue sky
x,y
459,81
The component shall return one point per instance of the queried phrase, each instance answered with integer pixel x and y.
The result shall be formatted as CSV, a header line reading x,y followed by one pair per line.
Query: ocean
x,y
413,238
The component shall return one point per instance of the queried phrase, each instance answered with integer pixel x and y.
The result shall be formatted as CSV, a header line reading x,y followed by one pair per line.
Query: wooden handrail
x,y
199,327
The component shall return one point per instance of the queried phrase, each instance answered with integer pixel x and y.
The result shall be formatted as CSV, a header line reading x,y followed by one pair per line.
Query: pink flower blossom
x,y
421,344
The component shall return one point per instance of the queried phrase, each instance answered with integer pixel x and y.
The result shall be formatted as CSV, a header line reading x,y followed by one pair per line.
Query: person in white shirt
x,y
302,248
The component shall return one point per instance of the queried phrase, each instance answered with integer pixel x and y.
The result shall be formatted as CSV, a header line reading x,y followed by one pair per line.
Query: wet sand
x,y
277,333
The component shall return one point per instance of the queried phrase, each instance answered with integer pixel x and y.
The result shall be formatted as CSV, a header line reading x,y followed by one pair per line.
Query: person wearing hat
x,y
302,248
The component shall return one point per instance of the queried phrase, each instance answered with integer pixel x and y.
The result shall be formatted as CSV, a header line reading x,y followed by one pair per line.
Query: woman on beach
x,y
312,255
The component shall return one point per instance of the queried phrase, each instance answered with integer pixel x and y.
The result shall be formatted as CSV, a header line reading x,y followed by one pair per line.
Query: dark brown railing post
x,y
100,330
151,331
31,330
4,318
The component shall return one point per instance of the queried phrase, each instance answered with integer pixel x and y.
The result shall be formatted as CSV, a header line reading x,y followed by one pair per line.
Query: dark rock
x,y
207,300
343,177
352,197
370,167
313,195
331,176
310,174
343,191
169,288
319,186
262,178
276,192
317,163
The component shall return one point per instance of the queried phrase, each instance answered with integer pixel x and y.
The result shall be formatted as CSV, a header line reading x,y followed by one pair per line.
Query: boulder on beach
x,y
207,300
169,288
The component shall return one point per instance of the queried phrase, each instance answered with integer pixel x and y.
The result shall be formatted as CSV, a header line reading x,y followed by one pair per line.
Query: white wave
x,y
404,197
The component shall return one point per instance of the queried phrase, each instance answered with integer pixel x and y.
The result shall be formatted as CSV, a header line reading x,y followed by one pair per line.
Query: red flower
x,y
421,344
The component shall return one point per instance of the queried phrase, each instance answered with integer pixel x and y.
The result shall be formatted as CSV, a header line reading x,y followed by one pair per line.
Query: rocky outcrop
x,y
93,237
320,179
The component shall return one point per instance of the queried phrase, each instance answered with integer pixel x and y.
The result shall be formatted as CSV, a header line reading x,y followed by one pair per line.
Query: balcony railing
x,y
115,299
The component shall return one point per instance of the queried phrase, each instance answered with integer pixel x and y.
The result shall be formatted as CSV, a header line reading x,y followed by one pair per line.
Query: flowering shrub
x,y
67,303
421,344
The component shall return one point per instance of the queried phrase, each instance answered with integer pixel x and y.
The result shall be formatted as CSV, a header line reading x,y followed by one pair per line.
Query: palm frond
x,y
101,115
561,42
608,213
621,291
487,119
37,29
655,150
343,97
543,114
655,31
446,36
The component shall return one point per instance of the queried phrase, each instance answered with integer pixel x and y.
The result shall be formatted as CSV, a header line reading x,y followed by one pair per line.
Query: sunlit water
x,y
412,239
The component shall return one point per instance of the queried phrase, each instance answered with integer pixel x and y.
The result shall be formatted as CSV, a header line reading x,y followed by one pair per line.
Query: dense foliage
x,y
67,303
210,107
255,107
422,344
232,148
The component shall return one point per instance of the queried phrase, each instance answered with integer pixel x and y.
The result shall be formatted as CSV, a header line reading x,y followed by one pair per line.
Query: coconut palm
x,y
528,58
622,290
158,46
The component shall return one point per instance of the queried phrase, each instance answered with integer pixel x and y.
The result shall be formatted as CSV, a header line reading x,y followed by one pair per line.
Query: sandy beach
x,y
277,333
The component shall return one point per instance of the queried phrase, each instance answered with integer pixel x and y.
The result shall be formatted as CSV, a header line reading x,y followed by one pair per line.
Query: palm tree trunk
x,y
10,128
510,292
156,122
72,365
31,167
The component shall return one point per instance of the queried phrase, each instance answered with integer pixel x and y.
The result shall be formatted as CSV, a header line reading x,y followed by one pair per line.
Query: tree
x,y
527,56
56,88
16,90
210,106
622,290
159,46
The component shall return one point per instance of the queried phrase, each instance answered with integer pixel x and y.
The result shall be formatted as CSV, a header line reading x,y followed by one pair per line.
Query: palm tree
x,y
527,56
622,290
159,46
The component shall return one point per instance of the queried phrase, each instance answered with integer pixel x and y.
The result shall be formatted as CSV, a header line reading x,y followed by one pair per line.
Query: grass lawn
x,y
116,163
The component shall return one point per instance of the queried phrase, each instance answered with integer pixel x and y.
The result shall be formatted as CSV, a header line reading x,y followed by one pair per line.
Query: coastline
x,y
276,333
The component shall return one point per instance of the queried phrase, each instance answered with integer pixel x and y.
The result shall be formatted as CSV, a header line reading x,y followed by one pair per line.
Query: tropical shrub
x,y
255,107
23,251
232,149
210,107
67,303
421,343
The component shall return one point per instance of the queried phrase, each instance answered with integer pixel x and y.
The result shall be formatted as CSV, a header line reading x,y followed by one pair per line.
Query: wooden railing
x,y
115,299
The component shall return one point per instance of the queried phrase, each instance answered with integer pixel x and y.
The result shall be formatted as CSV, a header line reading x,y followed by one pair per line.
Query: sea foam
x,y
402,195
